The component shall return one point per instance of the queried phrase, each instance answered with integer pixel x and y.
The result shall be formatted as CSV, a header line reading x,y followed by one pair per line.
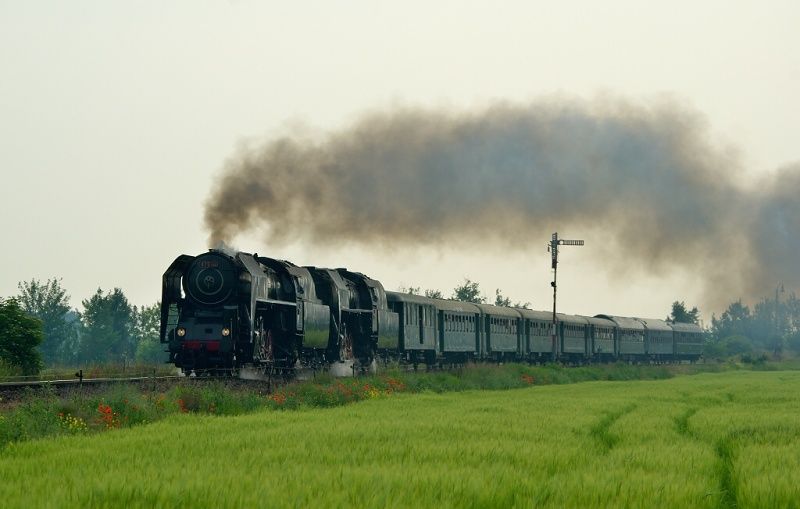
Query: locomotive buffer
x,y
553,248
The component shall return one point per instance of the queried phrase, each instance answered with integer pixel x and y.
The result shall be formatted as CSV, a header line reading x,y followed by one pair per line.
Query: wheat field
x,y
708,440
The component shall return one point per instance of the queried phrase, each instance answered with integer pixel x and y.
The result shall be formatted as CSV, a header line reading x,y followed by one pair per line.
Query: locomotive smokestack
x,y
646,175
223,247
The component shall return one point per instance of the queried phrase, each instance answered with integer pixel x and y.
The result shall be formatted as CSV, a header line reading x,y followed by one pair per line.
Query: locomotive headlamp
x,y
226,331
181,332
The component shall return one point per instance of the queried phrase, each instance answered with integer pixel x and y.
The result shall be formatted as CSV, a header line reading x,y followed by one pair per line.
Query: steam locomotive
x,y
225,311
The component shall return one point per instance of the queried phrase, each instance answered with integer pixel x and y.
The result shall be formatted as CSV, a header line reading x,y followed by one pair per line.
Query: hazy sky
x,y
116,117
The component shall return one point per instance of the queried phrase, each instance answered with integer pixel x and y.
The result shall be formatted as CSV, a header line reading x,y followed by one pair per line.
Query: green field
x,y
709,440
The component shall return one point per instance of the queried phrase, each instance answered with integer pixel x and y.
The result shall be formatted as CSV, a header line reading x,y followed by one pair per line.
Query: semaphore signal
x,y
553,248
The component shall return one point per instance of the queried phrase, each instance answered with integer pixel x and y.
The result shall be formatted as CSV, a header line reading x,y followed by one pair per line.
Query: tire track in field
x,y
682,423
728,484
601,433
727,448
724,451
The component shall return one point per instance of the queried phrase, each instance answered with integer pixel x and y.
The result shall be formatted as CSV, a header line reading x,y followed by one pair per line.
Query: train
x,y
224,311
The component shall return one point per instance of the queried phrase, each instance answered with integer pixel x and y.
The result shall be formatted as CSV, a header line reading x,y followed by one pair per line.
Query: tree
x,y
20,334
681,315
146,333
107,328
411,290
468,292
735,321
499,300
49,303
793,342
434,294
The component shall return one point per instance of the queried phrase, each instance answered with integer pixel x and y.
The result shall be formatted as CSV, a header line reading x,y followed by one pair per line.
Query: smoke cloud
x,y
647,175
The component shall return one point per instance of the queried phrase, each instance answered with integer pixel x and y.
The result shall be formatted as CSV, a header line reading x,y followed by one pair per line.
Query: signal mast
x,y
553,249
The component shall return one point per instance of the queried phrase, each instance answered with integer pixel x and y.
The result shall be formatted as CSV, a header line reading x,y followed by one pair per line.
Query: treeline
x,y
38,328
468,291
772,326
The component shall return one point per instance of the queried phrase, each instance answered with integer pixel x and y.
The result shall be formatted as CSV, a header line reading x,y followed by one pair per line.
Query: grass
x,y
89,409
712,440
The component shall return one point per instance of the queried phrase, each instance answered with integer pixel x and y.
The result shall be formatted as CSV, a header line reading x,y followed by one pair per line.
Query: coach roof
x,y
686,327
655,324
600,322
488,309
542,316
624,322
407,297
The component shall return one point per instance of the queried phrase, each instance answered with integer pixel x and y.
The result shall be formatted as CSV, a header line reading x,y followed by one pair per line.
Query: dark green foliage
x,y
735,321
20,335
147,320
49,302
681,315
793,342
107,328
469,291
737,345
415,290
434,294
499,300
770,327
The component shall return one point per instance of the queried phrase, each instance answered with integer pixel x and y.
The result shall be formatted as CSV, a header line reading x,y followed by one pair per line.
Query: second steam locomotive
x,y
222,311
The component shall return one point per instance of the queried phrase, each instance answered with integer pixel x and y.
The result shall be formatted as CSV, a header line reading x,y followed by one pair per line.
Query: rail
x,y
61,379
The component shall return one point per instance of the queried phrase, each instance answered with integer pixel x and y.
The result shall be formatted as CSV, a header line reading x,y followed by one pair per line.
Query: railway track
x,y
9,385
18,384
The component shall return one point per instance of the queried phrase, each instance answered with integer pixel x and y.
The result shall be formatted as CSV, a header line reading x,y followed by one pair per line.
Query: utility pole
x,y
553,248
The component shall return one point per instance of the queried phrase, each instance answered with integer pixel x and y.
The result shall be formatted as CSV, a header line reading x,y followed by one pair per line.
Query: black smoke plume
x,y
647,176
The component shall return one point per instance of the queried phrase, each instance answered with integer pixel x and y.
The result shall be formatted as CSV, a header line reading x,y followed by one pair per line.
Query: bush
x,y
20,334
737,345
6,370
793,342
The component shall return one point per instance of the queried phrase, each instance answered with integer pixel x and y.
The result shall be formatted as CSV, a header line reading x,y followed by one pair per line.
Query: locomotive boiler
x,y
223,311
